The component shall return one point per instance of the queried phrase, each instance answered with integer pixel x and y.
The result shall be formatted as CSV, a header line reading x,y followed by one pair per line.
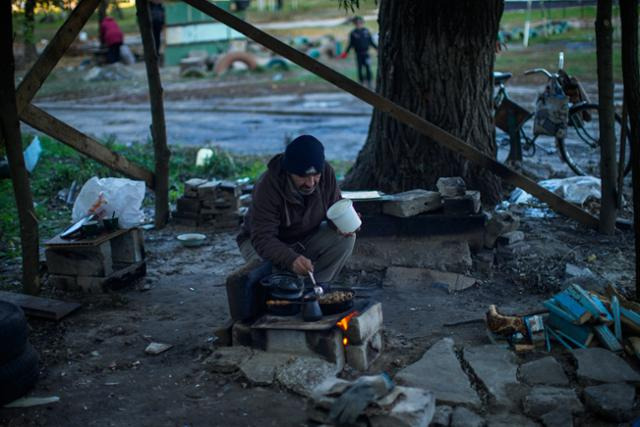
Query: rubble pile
x,y
213,203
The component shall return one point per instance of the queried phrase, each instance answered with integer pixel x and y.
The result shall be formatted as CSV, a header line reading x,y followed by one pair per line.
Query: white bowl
x,y
191,239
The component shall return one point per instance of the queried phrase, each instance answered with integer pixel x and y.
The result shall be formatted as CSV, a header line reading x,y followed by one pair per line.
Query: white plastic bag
x,y
123,196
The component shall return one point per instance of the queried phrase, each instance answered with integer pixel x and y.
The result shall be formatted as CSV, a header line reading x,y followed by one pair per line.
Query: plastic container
x,y
190,240
344,216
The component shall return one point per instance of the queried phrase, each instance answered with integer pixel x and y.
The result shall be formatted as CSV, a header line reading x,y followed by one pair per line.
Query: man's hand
x,y
302,266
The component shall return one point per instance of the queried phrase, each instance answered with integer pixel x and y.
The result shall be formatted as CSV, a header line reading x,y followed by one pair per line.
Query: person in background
x,y
112,37
287,223
360,39
157,21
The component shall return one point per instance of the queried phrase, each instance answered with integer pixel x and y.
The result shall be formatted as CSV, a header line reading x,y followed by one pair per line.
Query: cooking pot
x,y
283,286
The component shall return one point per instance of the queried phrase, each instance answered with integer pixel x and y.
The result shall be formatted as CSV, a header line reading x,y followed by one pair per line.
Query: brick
x,y
208,190
191,187
186,204
510,238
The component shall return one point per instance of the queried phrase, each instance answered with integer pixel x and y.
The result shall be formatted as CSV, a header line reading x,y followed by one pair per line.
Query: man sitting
x,y
286,222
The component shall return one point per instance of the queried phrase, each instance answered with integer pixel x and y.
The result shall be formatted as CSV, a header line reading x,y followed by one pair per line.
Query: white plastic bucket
x,y
344,216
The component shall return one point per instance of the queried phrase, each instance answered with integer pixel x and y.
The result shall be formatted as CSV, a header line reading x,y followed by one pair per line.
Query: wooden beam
x,y
61,131
399,113
158,127
54,51
10,134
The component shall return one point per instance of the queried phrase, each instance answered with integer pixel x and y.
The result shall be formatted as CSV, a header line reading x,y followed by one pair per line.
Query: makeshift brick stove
x,y
352,337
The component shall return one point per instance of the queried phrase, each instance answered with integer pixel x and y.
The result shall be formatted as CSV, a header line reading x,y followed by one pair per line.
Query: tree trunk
x,y
608,169
631,80
28,31
102,13
10,133
158,128
435,59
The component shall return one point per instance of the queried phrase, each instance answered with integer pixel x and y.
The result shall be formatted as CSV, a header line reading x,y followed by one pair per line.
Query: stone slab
x,y
410,407
543,399
304,374
424,278
598,364
510,238
612,401
412,203
227,359
439,371
430,224
380,253
365,325
463,417
543,371
260,369
500,222
557,418
362,356
442,416
509,420
496,366
468,204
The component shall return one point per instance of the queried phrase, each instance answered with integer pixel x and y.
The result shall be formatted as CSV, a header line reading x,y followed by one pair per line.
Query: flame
x,y
344,322
345,341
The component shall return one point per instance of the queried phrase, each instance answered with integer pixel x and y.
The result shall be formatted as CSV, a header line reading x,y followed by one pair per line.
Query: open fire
x,y
344,325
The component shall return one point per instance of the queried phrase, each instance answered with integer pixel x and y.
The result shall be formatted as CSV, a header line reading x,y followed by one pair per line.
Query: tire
x,y
19,375
580,149
13,331
223,63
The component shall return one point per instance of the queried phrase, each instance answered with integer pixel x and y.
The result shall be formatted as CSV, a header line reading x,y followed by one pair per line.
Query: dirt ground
x,y
94,360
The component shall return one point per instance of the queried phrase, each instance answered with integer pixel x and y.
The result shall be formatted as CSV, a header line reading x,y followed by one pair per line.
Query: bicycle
x,y
577,129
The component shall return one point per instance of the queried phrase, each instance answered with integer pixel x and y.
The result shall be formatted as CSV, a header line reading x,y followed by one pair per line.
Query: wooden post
x,y
604,54
401,114
158,128
54,51
10,133
631,80
64,133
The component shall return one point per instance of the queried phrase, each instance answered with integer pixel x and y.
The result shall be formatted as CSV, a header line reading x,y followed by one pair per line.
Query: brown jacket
x,y
279,216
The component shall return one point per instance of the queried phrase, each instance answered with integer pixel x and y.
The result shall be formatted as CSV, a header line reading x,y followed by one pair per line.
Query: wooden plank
x,y
61,131
577,333
607,338
57,241
564,300
615,309
40,307
158,127
551,305
401,114
10,138
54,50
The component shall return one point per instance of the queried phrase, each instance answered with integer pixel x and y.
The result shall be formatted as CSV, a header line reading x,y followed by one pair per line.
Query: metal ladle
x,y
316,289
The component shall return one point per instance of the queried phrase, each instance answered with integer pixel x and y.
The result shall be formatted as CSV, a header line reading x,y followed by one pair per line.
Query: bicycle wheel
x,y
580,149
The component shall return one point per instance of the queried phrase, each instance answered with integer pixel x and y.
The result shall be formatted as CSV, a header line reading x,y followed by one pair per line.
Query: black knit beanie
x,y
304,156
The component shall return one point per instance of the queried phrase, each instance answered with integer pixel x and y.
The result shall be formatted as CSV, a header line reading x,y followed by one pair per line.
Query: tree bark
x,y
631,80
158,128
608,163
28,31
435,59
10,133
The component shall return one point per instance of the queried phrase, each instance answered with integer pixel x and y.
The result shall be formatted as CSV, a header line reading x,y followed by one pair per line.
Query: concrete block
x,y
241,334
208,190
412,203
128,248
451,186
362,356
80,261
365,325
191,187
510,238
499,223
468,204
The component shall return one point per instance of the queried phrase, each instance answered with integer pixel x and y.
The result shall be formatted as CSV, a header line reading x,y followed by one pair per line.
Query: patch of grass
x,y
60,165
